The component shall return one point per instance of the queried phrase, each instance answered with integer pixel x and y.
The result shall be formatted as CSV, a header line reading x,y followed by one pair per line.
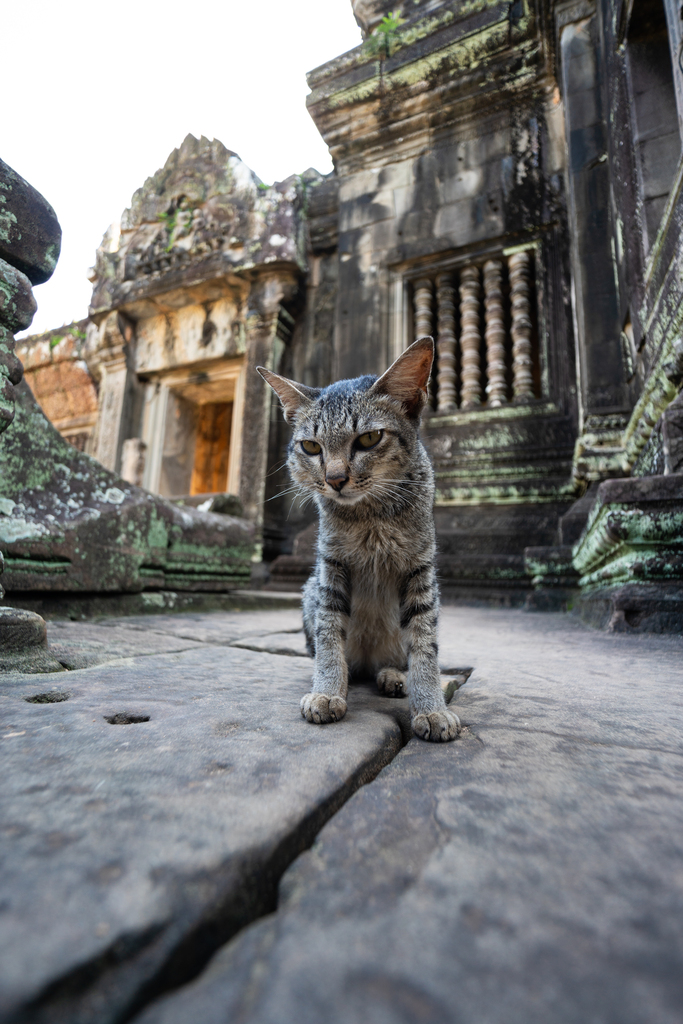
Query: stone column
x,y
496,388
424,319
445,298
107,359
603,391
522,359
423,308
470,338
267,292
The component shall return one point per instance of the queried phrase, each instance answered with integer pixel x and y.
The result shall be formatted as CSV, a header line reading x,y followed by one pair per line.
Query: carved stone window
x,y
484,319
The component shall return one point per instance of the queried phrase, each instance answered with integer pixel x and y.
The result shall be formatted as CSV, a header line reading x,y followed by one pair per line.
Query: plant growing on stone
x,y
385,38
169,219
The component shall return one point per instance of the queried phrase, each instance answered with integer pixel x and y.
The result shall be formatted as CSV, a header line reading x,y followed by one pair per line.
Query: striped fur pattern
x,y
371,605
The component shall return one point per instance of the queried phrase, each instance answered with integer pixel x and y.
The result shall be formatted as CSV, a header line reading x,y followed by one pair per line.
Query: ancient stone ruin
x,y
69,527
179,844
506,178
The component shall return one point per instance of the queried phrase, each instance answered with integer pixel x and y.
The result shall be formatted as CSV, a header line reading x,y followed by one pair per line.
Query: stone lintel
x,y
204,281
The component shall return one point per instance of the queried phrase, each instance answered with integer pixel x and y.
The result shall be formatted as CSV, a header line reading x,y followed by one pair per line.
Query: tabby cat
x,y
371,605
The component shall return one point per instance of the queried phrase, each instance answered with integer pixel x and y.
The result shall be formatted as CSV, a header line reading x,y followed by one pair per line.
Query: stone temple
x,y
508,179
178,844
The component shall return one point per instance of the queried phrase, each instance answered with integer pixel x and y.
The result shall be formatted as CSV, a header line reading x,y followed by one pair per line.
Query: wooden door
x,y
212,447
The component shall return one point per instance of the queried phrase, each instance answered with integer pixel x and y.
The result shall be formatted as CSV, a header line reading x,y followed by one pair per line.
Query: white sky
x,y
98,94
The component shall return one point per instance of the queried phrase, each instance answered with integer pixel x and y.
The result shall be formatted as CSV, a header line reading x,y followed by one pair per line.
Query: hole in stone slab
x,y
52,697
123,718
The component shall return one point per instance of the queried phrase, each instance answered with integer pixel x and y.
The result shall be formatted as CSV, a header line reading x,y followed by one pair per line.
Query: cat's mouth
x,y
344,497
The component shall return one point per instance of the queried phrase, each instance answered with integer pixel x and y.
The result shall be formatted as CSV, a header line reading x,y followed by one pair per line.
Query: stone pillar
x,y
423,308
267,292
133,460
603,391
522,360
446,393
470,338
108,361
496,388
424,319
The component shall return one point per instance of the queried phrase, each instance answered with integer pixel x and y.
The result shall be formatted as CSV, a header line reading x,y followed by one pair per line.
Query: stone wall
x,y
56,370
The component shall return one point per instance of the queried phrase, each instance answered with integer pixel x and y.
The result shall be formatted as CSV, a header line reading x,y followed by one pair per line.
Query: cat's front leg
x,y
430,718
327,701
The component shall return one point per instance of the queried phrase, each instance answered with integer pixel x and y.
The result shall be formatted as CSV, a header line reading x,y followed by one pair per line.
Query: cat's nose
x,y
336,479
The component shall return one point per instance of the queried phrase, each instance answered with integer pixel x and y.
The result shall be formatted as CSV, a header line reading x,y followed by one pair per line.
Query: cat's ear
x,y
406,380
291,394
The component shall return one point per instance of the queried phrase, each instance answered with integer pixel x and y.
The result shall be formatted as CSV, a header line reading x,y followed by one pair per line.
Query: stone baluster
x,y
423,308
470,338
522,361
424,318
496,389
445,298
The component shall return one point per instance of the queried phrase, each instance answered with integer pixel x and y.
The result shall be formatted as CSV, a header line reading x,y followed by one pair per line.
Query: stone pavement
x,y
529,872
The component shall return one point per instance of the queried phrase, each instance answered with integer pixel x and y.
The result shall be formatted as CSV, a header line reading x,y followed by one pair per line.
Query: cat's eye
x,y
369,439
311,447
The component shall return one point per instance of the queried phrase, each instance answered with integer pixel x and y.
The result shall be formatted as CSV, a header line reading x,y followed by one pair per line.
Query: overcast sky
x,y
98,94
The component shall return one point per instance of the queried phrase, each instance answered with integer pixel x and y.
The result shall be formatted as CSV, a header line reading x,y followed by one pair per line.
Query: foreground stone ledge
x,y
148,809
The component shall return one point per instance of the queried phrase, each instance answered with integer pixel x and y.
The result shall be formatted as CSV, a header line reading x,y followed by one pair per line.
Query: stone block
x,y
17,304
366,209
69,525
30,238
23,643
150,807
634,539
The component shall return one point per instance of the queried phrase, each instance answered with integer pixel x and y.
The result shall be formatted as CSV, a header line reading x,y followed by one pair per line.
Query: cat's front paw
x,y
318,708
439,726
391,682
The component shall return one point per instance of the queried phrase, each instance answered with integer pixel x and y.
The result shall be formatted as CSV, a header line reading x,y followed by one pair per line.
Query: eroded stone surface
x,y
528,872
23,643
131,849
292,644
82,644
217,627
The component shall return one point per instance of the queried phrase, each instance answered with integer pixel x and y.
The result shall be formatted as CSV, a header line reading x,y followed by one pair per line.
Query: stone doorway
x,y
192,430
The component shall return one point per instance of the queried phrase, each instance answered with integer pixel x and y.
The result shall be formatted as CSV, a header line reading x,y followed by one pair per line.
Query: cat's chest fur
x,y
377,554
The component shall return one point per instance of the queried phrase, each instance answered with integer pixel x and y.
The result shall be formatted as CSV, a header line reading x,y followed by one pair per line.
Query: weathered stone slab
x,y
131,851
82,644
527,873
217,627
292,644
